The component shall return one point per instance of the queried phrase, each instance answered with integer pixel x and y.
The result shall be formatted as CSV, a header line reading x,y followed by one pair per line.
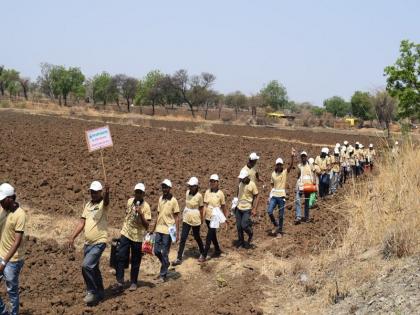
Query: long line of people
x,y
320,176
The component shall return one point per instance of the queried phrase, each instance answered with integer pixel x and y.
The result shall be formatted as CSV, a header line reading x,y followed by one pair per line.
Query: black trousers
x,y
184,236
128,248
211,238
243,223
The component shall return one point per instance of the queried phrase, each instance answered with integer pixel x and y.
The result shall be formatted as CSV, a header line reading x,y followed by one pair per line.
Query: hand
x,y
177,238
2,268
293,152
253,212
70,243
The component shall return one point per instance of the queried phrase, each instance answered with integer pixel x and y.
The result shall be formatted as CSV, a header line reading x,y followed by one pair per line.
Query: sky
x,y
316,49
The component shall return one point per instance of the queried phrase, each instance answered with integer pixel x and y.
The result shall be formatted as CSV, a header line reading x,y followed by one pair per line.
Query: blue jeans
x,y
243,224
276,201
90,268
298,206
11,277
162,247
334,181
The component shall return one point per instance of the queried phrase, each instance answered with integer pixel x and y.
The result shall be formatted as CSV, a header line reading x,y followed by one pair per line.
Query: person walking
x,y
305,176
251,167
323,162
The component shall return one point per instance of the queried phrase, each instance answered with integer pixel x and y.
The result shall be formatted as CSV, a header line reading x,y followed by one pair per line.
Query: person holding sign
x,y
166,228
192,218
95,224
135,226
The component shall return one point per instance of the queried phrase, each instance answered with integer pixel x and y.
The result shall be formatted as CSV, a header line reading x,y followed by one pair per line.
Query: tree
x,y
115,88
25,84
337,106
317,111
361,105
150,90
10,78
385,106
100,88
45,82
275,95
1,80
403,80
128,89
236,100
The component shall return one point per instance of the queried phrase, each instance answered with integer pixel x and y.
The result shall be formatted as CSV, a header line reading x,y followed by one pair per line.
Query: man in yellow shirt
x,y
247,206
251,167
192,218
370,156
136,223
305,176
323,161
335,170
166,228
278,193
11,246
95,224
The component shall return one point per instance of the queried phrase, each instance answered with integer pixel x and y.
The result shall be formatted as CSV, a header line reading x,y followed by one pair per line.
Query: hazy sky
x,y
317,49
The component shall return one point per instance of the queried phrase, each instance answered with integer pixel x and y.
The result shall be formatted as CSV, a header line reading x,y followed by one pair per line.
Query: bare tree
x,y
128,89
385,106
25,82
1,80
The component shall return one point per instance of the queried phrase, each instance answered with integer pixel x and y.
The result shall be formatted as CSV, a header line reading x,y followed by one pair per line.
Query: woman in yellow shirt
x,y
191,219
214,203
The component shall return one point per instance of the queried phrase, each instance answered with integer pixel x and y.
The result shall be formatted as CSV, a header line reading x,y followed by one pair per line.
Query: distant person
x,y
251,167
277,196
136,223
12,248
395,149
370,156
214,203
192,218
323,161
166,228
305,176
335,170
247,207
95,224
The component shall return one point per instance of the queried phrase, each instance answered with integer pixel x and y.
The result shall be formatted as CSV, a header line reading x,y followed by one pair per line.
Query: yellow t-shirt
x,y
193,204
3,216
14,222
96,223
279,183
322,163
370,154
246,195
335,161
252,172
306,174
132,228
166,210
213,200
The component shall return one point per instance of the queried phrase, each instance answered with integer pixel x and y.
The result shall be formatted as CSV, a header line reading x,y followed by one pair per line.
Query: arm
x,y
143,220
106,196
76,232
255,202
202,212
289,168
12,251
176,215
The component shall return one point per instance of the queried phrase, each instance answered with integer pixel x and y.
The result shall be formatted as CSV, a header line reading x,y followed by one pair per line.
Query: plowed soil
x,y
47,160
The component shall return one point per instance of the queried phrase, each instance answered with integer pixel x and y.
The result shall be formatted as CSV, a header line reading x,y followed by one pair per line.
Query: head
x,y
244,177
165,189
7,196
214,182
279,165
253,158
246,180
304,157
324,152
193,185
139,194
95,190
252,163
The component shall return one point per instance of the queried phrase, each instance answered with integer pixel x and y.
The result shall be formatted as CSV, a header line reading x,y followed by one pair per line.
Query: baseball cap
x,y
167,182
337,145
304,153
193,181
140,186
253,156
96,186
346,142
324,150
243,174
279,161
214,177
311,160
371,145
6,190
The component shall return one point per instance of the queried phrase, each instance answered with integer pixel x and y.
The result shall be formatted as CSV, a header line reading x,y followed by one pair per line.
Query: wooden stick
x,y
103,165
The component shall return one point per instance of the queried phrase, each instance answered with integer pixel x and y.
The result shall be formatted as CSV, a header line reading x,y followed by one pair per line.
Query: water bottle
x,y
172,232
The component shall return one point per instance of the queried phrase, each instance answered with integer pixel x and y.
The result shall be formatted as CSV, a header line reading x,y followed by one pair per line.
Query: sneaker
x,y
161,280
176,262
279,232
250,238
298,221
247,245
201,259
216,254
274,232
118,287
90,298
239,244
133,287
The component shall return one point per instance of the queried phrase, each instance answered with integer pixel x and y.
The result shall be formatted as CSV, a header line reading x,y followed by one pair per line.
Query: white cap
x,y
193,181
311,161
361,145
357,142
337,145
6,190
140,186
253,156
304,153
346,142
396,142
343,148
243,174
279,161
336,151
95,186
324,150
167,182
371,145
350,149
214,177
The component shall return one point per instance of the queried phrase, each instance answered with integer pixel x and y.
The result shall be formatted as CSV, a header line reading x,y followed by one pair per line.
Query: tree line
x,y
401,98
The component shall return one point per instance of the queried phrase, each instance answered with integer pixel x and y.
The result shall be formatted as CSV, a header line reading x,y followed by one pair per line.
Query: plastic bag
x,y
312,199
148,244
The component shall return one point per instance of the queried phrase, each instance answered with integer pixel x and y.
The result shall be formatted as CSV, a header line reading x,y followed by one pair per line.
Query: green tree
x,y
275,95
150,90
385,108
337,106
317,111
100,88
10,79
403,80
361,105
65,81
128,89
